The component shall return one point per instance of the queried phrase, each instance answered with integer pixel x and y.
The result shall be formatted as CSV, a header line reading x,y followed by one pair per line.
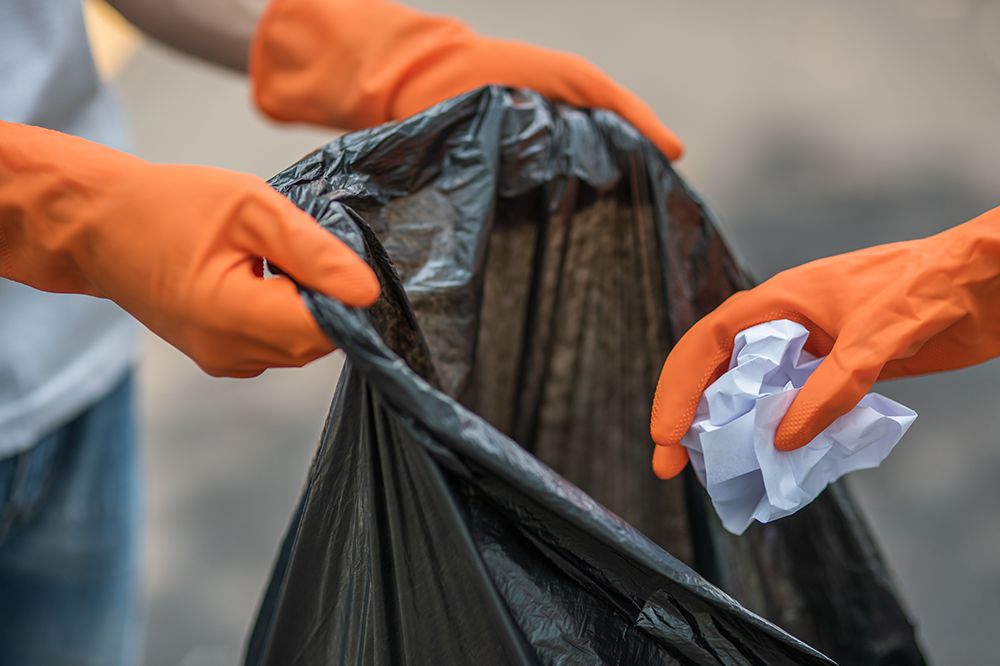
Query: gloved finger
x,y
598,90
669,461
834,389
633,109
266,324
563,77
290,239
700,357
569,78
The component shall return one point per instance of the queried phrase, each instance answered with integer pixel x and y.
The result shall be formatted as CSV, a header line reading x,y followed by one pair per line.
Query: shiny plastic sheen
x,y
536,264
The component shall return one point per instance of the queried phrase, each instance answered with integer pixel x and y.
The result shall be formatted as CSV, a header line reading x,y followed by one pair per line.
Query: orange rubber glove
x,y
357,63
890,311
173,245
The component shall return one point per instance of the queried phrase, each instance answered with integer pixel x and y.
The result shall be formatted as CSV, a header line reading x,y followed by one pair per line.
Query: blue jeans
x,y
69,556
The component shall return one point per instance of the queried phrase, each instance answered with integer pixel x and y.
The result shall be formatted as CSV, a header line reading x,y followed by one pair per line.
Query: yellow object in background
x,y
113,40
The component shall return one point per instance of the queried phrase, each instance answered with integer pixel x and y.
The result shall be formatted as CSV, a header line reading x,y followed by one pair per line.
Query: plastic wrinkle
x,y
432,533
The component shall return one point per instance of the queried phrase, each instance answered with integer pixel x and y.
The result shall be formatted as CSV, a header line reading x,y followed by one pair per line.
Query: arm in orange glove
x,y
358,63
891,311
353,64
173,245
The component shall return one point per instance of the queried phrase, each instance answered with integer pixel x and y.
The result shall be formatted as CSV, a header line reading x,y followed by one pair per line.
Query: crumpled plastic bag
x,y
731,440
537,263
425,536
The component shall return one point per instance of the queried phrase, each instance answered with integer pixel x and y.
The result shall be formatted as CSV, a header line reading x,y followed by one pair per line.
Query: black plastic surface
x,y
543,261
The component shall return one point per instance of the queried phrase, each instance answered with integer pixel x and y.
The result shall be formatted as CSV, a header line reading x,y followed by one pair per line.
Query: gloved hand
x,y
173,245
357,63
890,311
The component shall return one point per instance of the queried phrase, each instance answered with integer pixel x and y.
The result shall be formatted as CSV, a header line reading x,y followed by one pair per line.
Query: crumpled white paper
x,y
731,441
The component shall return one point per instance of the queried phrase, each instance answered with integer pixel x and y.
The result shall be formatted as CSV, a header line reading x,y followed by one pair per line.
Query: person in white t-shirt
x,y
90,235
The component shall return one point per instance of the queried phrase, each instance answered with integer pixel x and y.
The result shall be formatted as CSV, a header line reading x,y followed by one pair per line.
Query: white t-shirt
x,y
59,353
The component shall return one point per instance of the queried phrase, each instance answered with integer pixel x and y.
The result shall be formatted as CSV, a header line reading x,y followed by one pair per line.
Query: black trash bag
x,y
551,257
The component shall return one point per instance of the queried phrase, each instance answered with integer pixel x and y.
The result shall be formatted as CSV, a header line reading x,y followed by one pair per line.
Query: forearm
x,y
216,30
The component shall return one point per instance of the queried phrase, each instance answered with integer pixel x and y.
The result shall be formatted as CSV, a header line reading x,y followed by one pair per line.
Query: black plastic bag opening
x,y
551,257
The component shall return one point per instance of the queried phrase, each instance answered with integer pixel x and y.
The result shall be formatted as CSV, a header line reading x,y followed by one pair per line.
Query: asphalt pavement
x,y
812,128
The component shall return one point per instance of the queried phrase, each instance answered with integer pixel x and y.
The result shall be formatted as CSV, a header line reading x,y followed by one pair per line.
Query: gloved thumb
x,y
684,376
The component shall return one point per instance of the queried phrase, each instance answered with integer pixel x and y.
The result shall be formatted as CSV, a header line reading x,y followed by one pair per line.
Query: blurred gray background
x,y
812,128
